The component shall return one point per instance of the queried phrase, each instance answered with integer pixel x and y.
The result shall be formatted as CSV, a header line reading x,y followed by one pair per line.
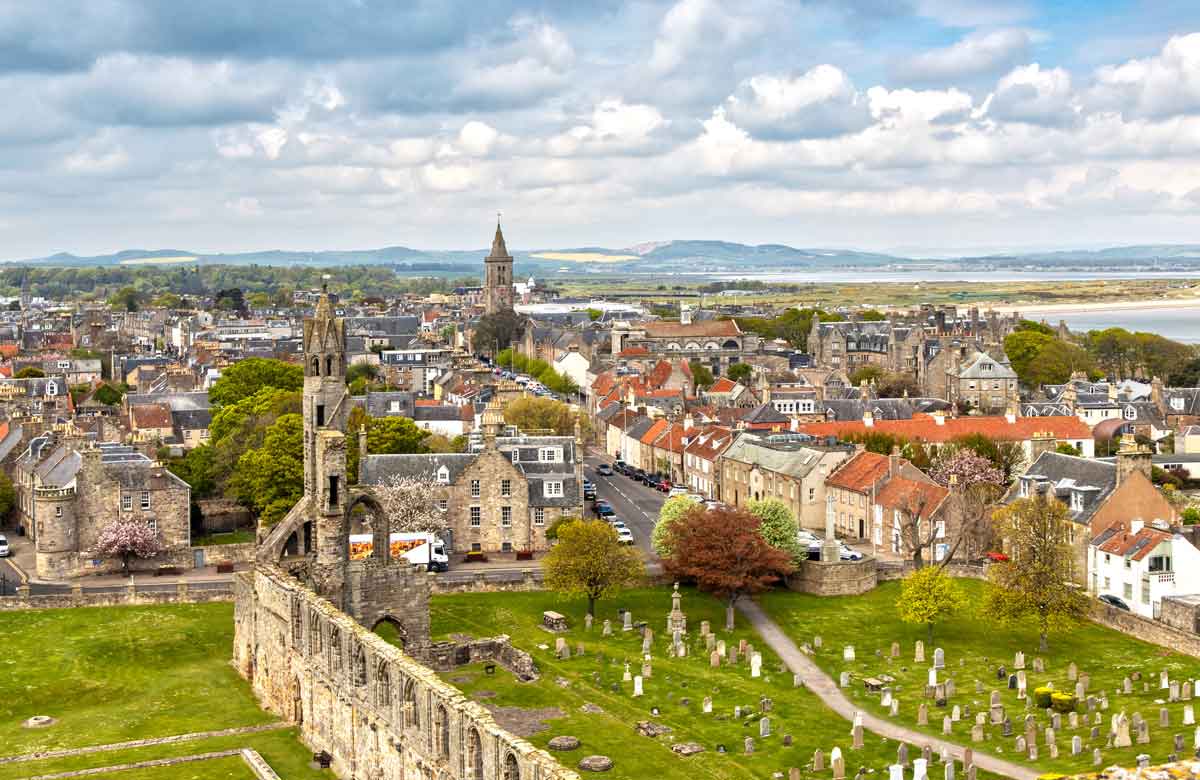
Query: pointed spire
x,y
499,250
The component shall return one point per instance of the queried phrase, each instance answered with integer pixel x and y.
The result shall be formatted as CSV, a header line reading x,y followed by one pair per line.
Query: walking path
x,y
827,690
137,743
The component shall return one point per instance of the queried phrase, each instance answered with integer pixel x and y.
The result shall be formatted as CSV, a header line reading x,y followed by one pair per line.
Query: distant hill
x,y
681,255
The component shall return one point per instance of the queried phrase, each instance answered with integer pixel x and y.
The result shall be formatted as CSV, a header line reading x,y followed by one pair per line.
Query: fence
x,y
111,595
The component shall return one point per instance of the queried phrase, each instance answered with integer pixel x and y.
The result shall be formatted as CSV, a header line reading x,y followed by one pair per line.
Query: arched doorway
x,y
512,770
297,702
391,630
366,527
442,732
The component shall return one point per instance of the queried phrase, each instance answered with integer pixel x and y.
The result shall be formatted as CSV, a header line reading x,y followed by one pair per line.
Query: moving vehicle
x,y
589,491
3,546
1113,601
421,549
624,536
604,470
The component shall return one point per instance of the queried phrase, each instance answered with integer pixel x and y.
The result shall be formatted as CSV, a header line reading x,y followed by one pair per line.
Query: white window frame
x,y
443,475
506,488
476,488
153,525
443,505
552,488
145,502
475,517
126,502
506,517
550,454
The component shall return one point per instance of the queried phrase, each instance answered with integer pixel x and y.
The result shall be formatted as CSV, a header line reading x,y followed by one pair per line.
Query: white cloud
x,y
477,138
906,106
1155,87
820,102
976,54
1031,94
695,29
614,126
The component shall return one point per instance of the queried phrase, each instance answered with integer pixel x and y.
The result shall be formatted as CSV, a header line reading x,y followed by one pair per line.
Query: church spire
x,y
499,250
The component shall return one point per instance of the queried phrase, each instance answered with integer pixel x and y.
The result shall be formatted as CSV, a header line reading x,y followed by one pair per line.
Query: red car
x,y
663,485
997,557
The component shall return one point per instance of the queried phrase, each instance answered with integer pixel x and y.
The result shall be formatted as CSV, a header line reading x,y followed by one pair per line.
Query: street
x,y
634,502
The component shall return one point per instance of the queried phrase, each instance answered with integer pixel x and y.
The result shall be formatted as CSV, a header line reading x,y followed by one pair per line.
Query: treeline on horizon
x,y
99,284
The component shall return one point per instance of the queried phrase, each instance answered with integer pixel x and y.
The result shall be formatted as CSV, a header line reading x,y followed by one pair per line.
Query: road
x,y
635,503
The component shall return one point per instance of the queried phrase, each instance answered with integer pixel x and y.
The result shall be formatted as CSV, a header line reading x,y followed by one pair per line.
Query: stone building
x,y
68,491
498,276
305,616
502,497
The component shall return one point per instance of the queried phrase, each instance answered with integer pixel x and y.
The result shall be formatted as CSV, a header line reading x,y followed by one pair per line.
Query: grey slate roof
x,y
179,402
791,459
380,404
984,366
1060,475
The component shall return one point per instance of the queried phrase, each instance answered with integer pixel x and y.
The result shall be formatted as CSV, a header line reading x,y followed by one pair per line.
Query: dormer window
x,y
550,454
443,475
52,388
1177,403
1076,501
1130,413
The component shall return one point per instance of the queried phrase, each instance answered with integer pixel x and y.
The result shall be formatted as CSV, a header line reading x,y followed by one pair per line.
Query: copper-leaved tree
x,y
1037,579
128,539
723,552
590,561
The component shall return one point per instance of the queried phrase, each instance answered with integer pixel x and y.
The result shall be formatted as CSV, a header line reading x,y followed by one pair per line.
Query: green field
x,y
570,684
117,674
974,647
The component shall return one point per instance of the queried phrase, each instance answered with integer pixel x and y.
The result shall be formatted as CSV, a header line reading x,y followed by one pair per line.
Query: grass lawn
x,y
974,647
115,674
232,537
569,684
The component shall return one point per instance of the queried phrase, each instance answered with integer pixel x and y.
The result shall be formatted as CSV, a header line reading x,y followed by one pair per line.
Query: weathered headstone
x,y
818,761
756,665
844,680
1189,715
977,733
607,629
947,725
1127,686
848,653
919,653
895,651
1019,660
895,772
920,769
764,727
839,765
706,705
856,737
587,621
637,686
1164,717
1072,671
923,714
714,660
939,658
1076,745
902,754
748,745
628,624
628,677
1120,730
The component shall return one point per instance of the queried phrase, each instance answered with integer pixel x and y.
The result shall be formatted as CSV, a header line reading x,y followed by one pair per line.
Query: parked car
x,y
621,467
604,509
1113,601
677,490
850,554
589,491
3,546
647,479
604,470
664,485
695,498
637,475
617,523
624,536
807,538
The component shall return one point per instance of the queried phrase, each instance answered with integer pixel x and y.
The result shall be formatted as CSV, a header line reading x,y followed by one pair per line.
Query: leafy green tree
x,y
672,509
266,405
1190,516
927,596
1037,579
8,497
385,436
594,314
29,372
1034,327
270,479
589,561
246,377
872,315
530,414
1186,375
495,332
127,298
739,372
867,373
702,376
109,394
197,468
365,371
1064,448
167,300
778,526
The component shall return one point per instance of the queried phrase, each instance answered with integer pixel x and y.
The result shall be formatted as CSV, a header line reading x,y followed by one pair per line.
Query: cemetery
x,y
79,678
1094,699
657,687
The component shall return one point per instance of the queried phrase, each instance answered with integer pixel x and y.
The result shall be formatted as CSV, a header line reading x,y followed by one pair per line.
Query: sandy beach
x,y
1068,308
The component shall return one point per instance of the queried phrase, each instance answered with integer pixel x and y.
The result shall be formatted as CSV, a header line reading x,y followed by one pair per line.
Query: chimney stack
x,y
1132,457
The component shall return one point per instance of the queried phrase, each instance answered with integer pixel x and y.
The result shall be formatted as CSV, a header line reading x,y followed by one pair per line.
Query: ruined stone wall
x,y
181,593
446,656
844,578
374,709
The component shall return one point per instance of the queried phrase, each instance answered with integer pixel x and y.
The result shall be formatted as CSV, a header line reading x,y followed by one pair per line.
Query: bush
x,y
1191,516
1063,702
1042,696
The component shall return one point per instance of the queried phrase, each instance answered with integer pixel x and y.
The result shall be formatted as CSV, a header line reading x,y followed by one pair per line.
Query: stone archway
x,y
297,702
391,629
512,769
475,755
365,518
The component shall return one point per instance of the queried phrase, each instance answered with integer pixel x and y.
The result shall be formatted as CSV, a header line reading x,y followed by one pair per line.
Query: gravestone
x,y
764,727
637,686
856,737
1097,759
1039,664
947,725
817,641
797,681
1185,692
919,653
919,769
1164,717
646,670
955,713
1073,719
553,621
895,708
948,770
607,629
895,652
748,745
886,699
818,761
1189,715
848,653
1050,735
714,660
1006,728
839,765
1173,691
844,680
1120,729
939,658
1076,745
721,647
923,714
560,647
1019,660
977,733
1020,744
902,754
587,621
756,665
1127,686
1056,721
951,689
1072,671
1164,680
895,772
787,740
628,677
628,624
706,705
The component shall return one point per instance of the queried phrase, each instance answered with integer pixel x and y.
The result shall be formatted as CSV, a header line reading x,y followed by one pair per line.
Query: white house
x,y
575,366
1140,564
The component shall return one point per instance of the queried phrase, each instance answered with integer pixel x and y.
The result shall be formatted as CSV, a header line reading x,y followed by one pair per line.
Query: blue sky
x,y
926,125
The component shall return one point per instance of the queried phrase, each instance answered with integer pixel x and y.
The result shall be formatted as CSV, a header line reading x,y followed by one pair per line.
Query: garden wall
x,y
483,581
1146,629
844,578
215,554
898,570
181,593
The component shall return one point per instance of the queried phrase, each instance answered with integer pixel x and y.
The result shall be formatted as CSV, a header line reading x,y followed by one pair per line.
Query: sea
x,y
1180,324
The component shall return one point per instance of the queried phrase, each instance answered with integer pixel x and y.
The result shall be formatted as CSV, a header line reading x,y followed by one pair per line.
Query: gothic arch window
x,y
692,345
297,623
335,650
512,769
316,366
442,733
731,344
413,718
314,634
475,755
328,365
358,665
383,685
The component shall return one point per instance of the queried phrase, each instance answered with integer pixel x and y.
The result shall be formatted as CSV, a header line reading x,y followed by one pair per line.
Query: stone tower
x,y
498,276
326,408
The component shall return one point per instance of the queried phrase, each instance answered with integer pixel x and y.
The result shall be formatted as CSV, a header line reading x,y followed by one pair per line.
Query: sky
x,y
925,126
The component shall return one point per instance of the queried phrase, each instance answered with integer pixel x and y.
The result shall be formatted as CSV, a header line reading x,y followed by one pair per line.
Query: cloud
x,y
1155,87
974,13
819,102
1031,94
477,138
694,29
979,53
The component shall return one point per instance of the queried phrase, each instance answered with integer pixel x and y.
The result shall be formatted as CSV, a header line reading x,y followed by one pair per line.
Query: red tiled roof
x,y
654,431
9,350
150,415
860,472
1122,543
911,497
723,385
710,442
922,427
671,440
659,374
701,329
634,351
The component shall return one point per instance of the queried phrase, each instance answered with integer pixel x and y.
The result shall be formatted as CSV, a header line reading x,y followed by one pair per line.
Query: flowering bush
x,y
128,539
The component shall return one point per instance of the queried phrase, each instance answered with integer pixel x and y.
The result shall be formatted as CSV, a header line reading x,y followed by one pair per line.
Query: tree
x,y
1036,580
127,298
270,480
128,539
1187,375
1007,456
197,469
408,505
531,414
8,497
778,526
1040,358
928,595
385,436
725,554
672,509
739,372
167,300
246,377
436,442
590,561
1065,448
974,484
495,332
868,374
701,374
594,314
367,371
29,372
1190,516
108,394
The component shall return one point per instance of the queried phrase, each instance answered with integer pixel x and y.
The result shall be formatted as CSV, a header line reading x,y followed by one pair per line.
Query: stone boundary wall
x,y
483,581
227,553
844,578
898,570
1152,631
376,710
181,593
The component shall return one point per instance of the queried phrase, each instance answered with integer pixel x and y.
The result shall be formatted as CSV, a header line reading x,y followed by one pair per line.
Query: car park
x,y
604,470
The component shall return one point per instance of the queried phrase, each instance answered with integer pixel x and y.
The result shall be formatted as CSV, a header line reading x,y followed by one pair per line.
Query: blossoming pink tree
x,y
975,484
408,503
128,539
